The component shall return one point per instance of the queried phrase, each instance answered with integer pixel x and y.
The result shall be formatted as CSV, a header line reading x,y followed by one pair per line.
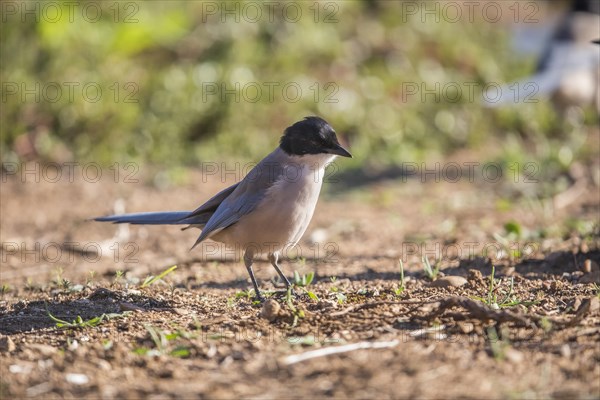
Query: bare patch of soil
x,y
529,330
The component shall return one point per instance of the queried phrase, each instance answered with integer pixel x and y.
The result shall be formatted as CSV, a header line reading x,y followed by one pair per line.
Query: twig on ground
x,y
474,308
479,311
327,351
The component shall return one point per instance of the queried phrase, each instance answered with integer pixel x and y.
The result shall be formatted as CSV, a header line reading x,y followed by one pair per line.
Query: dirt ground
x,y
198,333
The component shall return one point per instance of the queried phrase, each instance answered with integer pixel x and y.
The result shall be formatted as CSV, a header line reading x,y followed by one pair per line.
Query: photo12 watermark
x,y
68,252
54,12
293,253
68,172
471,171
270,11
126,252
470,11
491,250
253,172
269,92
69,92
470,92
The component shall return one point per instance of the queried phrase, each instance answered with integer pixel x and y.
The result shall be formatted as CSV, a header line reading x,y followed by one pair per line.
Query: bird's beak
x,y
338,150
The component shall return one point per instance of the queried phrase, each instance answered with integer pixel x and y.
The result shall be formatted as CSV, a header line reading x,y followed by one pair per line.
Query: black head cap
x,y
312,135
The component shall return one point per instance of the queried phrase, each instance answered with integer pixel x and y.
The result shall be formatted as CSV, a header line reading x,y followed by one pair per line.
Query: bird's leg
x,y
248,259
273,257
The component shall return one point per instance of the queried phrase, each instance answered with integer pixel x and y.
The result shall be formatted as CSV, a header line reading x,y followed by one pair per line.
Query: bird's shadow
x,y
44,314
554,264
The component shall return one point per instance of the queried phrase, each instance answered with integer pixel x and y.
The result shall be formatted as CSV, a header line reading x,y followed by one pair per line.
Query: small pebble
x,y
513,355
181,311
465,327
475,275
20,369
565,350
77,379
449,281
270,310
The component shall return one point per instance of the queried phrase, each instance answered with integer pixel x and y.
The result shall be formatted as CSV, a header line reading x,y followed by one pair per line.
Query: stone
x,y
270,310
449,281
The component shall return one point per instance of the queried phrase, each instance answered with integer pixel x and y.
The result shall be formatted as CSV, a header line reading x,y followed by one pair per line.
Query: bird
x,y
271,207
568,65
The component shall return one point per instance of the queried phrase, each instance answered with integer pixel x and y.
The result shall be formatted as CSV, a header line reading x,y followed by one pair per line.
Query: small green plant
x,y
80,323
29,285
230,302
301,261
363,291
91,278
333,279
545,324
430,272
296,312
60,281
117,279
151,280
492,294
500,298
64,284
401,286
4,289
58,274
250,295
161,340
513,229
304,281
180,332
241,294
340,297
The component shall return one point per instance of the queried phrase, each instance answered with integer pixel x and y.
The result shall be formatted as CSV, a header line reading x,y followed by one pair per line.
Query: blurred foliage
x,y
157,62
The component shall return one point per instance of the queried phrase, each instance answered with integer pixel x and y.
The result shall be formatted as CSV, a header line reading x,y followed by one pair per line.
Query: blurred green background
x,y
135,81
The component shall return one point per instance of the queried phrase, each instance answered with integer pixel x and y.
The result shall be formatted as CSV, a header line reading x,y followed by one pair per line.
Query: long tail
x,y
155,218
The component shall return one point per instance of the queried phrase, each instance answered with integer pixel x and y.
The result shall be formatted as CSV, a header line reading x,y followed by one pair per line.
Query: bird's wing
x,y
202,214
247,194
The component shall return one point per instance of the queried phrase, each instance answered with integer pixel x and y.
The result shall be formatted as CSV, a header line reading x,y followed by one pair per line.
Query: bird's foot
x,y
259,298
